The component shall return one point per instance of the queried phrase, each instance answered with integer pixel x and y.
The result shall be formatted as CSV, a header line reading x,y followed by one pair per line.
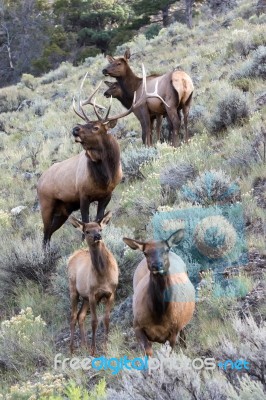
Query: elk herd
x,y
164,297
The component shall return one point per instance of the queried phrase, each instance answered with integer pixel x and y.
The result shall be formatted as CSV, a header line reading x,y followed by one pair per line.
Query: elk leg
x,y
94,324
182,339
84,209
145,120
185,113
142,338
174,117
81,318
172,340
58,221
73,319
159,121
102,204
108,307
47,217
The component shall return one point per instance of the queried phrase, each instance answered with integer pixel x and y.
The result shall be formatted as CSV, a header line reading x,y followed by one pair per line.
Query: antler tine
x,y
155,93
109,108
88,100
77,112
141,100
100,118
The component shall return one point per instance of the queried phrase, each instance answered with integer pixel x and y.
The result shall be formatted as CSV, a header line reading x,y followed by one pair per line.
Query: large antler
x,y
80,112
141,100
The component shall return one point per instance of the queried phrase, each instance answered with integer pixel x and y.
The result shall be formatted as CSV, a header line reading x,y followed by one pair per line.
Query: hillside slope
x,y
222,168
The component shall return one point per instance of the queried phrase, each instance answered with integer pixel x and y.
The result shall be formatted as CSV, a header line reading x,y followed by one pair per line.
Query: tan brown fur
x,y
175,88
74,183
93,276
155,318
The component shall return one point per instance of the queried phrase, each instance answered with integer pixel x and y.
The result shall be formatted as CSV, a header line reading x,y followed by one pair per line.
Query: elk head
x,y
117,67
114,90
91,230
156,252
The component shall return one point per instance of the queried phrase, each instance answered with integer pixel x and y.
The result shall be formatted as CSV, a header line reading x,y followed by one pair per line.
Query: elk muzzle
x,y
105,72
97,237
158,268
75,133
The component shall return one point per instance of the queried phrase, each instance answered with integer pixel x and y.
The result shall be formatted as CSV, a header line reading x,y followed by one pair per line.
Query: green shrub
x,y
29,81
56,75
23,260
11,97
231,109
22,342
133,158
253,68
152,31
211,187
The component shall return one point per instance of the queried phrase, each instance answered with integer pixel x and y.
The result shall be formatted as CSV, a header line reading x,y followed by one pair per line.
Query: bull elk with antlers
x,y
90,176
175,88
164,297
93,276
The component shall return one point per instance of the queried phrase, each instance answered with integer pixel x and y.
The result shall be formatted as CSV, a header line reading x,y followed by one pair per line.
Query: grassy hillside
x,y
225,56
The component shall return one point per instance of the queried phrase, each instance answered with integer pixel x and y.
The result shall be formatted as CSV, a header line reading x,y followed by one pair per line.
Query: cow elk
x,y
164,297
115,90
93,276
175,88
90,176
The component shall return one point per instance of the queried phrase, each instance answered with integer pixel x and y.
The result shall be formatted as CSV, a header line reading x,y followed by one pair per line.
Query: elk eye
x,y
87,232
95,128
119,63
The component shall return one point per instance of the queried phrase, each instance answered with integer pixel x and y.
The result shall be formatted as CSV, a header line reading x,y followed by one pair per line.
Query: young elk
x,y
90,176
164,297
175,88
93,276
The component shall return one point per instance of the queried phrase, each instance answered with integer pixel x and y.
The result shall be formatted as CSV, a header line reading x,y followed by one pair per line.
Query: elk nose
x,y
104,71
157,266
97,236
75,131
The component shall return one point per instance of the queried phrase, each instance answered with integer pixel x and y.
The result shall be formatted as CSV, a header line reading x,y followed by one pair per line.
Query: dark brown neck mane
x,y
104,161
129,83
98,257
158,285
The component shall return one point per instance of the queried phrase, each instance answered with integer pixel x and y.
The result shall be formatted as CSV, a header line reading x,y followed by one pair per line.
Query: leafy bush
x,y
152,31
22,342
29,81
232,107
132,159
253,68
56,75
211,187
23,260
55,387
11,97
249,345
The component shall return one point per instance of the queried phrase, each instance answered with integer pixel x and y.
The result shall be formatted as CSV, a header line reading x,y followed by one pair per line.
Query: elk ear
x,y
175,237
127,54
110,59
111,124
134,244
109,84
76,223
105,219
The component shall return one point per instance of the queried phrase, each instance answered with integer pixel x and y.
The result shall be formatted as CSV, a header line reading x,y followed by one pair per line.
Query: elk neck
x,y
129,84
157,287
104,161
98,255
